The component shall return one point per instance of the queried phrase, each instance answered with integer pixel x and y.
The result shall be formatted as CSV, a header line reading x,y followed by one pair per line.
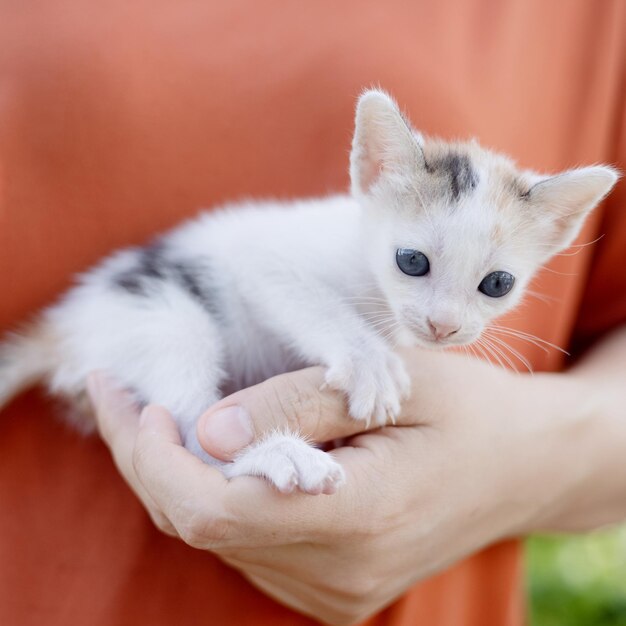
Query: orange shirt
x,y
118,119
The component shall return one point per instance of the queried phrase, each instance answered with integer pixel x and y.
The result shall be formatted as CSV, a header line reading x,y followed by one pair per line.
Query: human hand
x,y
453,477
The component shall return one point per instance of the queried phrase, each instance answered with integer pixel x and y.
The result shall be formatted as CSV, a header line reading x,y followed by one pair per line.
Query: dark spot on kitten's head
x,y
458,168
516,187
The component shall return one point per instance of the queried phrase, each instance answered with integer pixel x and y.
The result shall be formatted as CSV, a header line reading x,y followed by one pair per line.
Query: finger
x,y
187,491
211,513
189,499
265,517
297,402
117,418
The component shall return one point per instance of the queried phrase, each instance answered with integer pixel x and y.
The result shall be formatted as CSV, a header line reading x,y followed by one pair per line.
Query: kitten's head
x,y
455,231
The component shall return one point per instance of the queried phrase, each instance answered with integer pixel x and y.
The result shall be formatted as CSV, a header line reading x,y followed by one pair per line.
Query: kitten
x,y
435,240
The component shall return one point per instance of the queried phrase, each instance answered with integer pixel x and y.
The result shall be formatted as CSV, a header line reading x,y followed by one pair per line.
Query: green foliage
x,y
578,581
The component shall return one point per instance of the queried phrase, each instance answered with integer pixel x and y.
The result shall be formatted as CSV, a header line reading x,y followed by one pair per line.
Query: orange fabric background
x,y
118,119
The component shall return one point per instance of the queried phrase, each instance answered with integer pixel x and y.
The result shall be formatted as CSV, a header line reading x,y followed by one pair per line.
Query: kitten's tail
x,y
25,359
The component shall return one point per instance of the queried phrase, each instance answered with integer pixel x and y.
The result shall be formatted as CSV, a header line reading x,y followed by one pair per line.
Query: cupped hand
x,y
445,481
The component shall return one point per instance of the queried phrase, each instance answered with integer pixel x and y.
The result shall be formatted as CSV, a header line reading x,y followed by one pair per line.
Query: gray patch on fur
x,y
154,266
458,168
149,267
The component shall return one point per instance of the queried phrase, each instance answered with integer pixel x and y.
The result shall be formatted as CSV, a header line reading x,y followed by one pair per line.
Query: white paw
x,y
289,463
375,384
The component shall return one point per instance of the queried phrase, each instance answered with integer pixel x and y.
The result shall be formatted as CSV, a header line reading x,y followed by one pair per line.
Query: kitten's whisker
x,y
495,353
521,358
520,334
373,304
390,331
473,351
541,296
382,326
538,245
552,271
378,314
588,243
500,349
378,317
364,298
470,354
366,303
514,353
516,335
382,329
573,253
527,364
380,322
485,357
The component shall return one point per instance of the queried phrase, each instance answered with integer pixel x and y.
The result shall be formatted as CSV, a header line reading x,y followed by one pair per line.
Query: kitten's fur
x,y
236,296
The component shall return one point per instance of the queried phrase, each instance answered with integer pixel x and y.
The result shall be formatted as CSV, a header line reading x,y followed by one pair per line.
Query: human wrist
x,y
568,457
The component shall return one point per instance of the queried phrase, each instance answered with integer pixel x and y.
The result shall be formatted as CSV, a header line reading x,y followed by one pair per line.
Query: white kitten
x,y
435,240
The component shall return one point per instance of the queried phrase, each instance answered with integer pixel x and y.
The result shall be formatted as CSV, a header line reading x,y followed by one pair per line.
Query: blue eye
x,y
496,284
412,262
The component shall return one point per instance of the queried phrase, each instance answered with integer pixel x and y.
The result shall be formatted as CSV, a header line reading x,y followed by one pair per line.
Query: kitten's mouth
x,y
427,340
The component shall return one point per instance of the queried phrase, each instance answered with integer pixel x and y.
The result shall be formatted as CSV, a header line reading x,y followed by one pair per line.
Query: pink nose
x,y
441,330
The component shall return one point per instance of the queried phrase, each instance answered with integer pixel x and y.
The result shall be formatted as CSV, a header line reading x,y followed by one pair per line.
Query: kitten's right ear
x,y
567,199
383,142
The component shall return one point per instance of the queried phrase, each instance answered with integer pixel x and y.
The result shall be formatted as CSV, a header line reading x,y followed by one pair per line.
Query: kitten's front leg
x,y
289,463
323,330
284,459
326,331
375,381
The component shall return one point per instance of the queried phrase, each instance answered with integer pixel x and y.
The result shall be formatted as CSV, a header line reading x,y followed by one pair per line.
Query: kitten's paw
x,y
289,463
375,385
400,375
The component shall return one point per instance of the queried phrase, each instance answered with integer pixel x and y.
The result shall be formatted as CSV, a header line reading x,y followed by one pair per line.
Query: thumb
x,y
296,401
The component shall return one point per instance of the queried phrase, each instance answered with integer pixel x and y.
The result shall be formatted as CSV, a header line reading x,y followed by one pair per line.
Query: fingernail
x,y
230,429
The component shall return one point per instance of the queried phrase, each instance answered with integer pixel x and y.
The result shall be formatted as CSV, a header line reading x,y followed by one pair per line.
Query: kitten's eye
x,y
412,262
496,284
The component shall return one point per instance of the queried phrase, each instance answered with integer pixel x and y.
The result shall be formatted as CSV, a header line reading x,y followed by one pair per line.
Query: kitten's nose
x,y
441,330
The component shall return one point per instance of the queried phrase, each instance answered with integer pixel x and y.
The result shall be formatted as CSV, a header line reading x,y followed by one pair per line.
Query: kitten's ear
x,y
567,199
383,142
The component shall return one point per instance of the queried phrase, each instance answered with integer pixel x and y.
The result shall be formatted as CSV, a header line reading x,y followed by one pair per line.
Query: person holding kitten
x,y
426,521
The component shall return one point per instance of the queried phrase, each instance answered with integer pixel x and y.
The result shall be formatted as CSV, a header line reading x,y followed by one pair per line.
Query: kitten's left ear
x,y
567,199
383,142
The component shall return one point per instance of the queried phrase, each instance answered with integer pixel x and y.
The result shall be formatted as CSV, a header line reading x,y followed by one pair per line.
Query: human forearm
x,y
576,463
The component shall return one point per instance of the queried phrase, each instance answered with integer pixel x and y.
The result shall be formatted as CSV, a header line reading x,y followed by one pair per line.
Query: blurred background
x,y
578,580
